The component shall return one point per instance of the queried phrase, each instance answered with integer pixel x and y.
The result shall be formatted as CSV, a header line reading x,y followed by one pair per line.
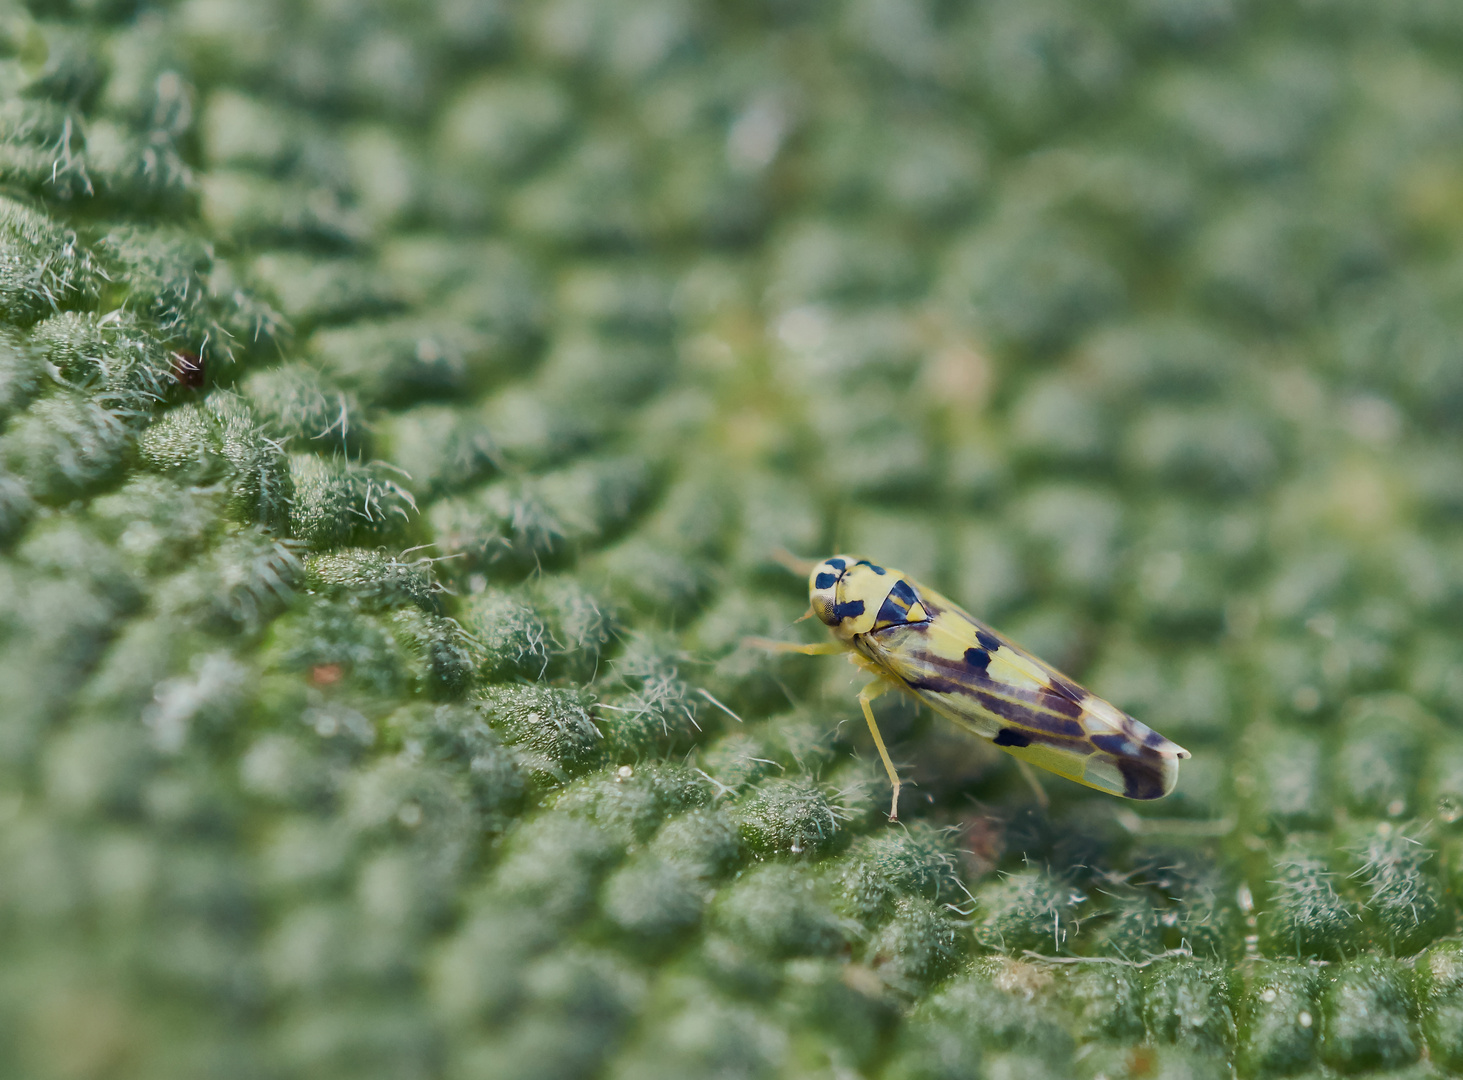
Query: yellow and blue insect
x,y
913,639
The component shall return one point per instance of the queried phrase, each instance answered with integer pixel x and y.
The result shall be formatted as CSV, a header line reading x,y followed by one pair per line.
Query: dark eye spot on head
x,y
837,564
825,581
876,569
1011,737
849,609
988,641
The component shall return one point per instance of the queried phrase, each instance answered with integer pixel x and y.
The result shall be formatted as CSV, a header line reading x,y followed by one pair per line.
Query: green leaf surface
x,y
403,404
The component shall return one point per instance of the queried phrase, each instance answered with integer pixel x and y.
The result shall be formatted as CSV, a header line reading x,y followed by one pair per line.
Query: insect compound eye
x,y
823,606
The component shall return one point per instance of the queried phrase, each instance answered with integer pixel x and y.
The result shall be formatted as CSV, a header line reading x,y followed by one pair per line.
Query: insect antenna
x,y
786,559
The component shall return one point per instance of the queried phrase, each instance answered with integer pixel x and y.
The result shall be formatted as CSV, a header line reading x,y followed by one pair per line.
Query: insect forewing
x,y
992,687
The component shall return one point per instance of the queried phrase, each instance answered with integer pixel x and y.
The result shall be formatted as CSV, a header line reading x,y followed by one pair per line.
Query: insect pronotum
x,y
911,638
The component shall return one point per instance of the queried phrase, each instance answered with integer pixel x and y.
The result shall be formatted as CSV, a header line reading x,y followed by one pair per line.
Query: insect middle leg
x,y
865,696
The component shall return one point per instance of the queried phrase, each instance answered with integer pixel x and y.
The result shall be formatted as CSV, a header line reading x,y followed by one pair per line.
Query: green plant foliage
x,y
219,440
1366,1014
1438,986
404,408
1280,1027
372,577
299,406
552,726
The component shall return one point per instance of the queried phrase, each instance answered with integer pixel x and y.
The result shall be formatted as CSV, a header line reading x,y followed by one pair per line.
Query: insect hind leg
x,y
1029,775
865,697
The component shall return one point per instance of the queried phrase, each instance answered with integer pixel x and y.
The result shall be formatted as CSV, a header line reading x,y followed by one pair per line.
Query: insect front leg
x,y
865,696
823,648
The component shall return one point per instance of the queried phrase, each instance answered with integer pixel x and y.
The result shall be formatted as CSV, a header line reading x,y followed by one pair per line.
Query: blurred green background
x,y
400,402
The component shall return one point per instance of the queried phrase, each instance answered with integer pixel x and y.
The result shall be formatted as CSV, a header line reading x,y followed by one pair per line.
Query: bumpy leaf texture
x,y
400,406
